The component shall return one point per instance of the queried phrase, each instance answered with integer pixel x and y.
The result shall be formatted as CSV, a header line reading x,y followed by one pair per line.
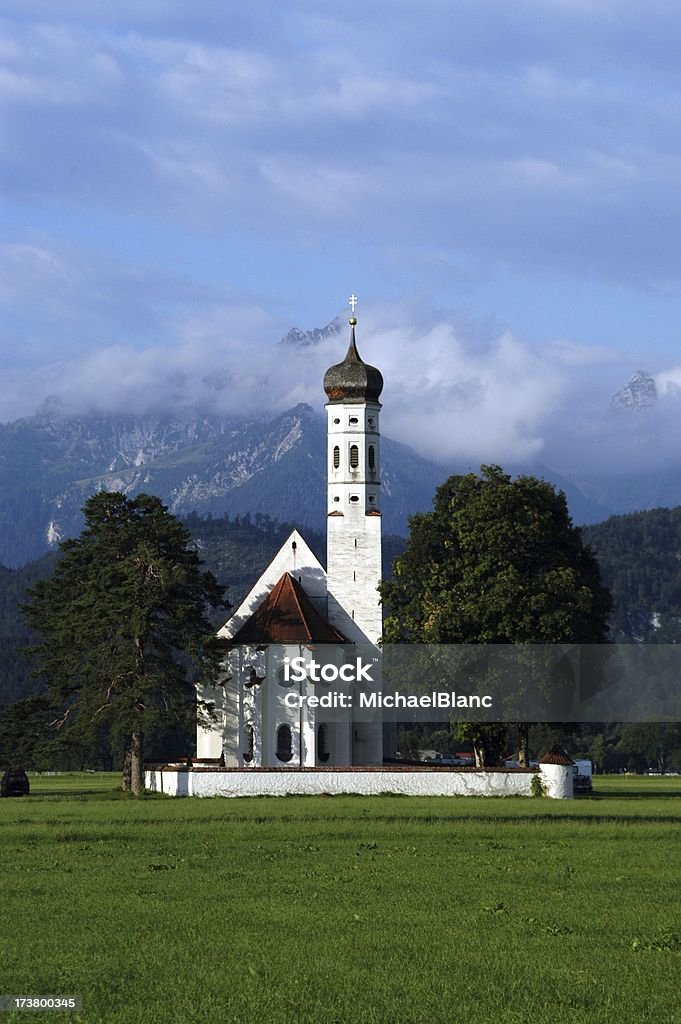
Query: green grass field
x,y
389,910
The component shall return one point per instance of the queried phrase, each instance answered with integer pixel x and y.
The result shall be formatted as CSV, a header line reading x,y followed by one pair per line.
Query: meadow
x,y
344,910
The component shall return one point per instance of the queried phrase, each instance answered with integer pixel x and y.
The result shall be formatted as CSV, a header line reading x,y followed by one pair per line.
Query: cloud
x,y
457,391
539,141
426,145
125,338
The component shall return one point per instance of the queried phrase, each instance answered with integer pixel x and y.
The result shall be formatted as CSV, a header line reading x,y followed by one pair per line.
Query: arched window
x,y
354,456
372,457
323,751
284,743
253,678
249,741
281,677
336,457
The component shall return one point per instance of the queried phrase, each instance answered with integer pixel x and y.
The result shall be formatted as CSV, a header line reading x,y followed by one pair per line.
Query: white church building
x,y
298,608
264,727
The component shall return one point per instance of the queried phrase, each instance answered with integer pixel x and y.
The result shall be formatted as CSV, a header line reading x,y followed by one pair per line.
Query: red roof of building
x,y
556,756
287,616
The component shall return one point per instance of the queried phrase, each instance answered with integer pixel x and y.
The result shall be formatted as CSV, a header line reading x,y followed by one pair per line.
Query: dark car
x,y
14,783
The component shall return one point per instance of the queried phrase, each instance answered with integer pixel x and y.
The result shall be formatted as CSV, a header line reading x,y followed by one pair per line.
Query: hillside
x,y
640,559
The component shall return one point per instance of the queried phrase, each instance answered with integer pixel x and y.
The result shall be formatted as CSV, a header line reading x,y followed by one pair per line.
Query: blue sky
x,y
499,183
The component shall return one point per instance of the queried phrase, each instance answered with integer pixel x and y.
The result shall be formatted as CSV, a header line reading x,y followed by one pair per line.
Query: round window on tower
x,y
353,421
354,498
336,421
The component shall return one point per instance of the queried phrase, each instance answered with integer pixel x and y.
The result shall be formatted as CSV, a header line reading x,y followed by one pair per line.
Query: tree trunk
x,y
127,762
137,763
523,744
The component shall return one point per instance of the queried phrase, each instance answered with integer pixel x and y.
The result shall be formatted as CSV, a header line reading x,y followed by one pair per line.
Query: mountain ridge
x,y
214,465
227,465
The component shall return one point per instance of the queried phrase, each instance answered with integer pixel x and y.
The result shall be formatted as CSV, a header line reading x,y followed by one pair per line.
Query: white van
x,y
583,771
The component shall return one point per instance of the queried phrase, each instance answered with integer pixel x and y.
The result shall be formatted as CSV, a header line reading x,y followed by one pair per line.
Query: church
x,y
298,609
270,720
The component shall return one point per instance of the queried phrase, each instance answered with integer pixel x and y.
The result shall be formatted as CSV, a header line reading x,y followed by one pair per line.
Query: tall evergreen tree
x,y
123,624
497,561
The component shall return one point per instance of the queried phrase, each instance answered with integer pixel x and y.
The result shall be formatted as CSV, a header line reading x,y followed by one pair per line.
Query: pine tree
x,y
123,624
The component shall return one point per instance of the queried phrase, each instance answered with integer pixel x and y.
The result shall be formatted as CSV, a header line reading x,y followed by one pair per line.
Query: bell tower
x,y
354,492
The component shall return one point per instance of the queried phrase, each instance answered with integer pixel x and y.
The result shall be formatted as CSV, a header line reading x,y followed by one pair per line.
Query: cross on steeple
x,y
353,302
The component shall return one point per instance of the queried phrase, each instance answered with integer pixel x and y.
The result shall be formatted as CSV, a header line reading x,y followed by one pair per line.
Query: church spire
x,y
353,380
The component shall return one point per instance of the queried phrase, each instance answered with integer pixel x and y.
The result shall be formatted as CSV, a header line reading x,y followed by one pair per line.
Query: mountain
x,y
305,339
638,393
50,464
16,678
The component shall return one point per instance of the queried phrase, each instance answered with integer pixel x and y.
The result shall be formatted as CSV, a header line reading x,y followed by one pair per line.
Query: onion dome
x,y
353,380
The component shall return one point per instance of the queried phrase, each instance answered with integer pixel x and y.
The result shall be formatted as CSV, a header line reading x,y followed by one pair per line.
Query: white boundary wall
x,y
175,782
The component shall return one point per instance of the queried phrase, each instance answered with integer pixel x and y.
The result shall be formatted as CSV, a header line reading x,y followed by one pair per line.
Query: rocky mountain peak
x,y
306,339
638,393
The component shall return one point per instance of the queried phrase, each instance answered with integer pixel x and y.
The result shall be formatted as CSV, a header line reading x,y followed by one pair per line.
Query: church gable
x,y
294,557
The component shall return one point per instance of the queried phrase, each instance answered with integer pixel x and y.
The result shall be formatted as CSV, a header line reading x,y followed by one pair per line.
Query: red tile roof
x,y
556,756
287,616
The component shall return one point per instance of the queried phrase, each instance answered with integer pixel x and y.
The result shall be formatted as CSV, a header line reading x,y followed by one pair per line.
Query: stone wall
x,y
418,782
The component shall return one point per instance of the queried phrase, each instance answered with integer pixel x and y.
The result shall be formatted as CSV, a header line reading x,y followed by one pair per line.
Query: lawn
x,y
388,910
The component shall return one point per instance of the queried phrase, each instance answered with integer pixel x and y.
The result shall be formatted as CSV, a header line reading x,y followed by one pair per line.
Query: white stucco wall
x,y
558,780
353,562
370,783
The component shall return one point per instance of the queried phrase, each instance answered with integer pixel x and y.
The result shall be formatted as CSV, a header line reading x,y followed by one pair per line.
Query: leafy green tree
x,y
497,561
657,745
124,626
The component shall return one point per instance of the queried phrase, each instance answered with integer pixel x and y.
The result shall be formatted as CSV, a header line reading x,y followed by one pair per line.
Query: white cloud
x,y
458,392
447,138
476,134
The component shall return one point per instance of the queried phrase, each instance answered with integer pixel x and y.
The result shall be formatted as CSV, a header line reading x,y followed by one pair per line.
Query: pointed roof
x,y
556,756
353,380
287,616
294,556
